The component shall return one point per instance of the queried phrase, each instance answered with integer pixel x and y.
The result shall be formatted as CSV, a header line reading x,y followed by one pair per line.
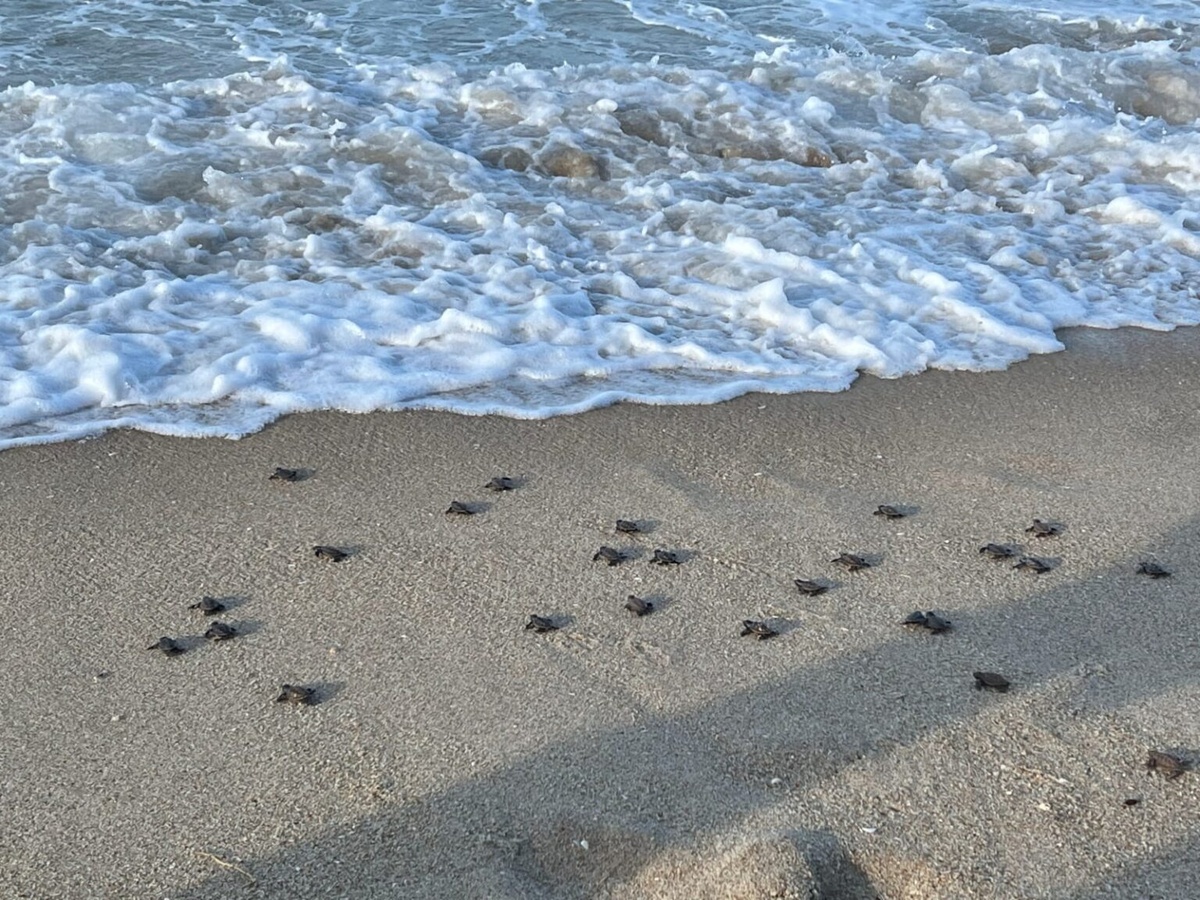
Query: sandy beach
x,y
453,753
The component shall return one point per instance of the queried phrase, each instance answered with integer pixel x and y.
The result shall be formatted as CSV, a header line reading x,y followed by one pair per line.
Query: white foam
x,y
480,227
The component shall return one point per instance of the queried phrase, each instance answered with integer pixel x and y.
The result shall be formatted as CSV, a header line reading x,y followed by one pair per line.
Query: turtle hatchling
x,y
929,620
666,558
1040,529
1154,570
638,606
628,526
168,646
1166,764
760,630
219,631
810,588
210,606
1033,564
936,623
331,554
997,551
609,555
852,562
501,483
540,625
991,681
888,512
281,474
458,508
297,694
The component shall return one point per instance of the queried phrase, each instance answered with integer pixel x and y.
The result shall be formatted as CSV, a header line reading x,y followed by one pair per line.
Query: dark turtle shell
x,y
760,630
458,508
936,623
638,606
219,631
997,551
991,681
628,526
811,588
666,558
609,555
852,562
1040,529
210,606
331,554
929,620
501,483
888,512
168,646
540,625
297,694
1154,570
281,474
1167,764
1033,564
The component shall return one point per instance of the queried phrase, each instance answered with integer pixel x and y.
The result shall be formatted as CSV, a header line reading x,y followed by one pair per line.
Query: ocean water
x,y
215,212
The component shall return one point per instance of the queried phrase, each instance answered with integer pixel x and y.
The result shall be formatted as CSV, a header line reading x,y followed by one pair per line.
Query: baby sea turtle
x,y
1154,570
889,512
852,562
997,551
627,526
991,681
811,588
1166,764
936,623
458,508
540,625
666,558
210,606
332,554
1040,529
609,555
167,645
501,483
219,631
1033,564
638,606
297,694
760,630
930,620
281,474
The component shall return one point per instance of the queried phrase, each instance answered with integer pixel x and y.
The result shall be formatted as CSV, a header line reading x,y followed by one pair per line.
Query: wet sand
x,y
455,754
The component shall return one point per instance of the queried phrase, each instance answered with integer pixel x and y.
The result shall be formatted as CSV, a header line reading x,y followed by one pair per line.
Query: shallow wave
x,y
202,256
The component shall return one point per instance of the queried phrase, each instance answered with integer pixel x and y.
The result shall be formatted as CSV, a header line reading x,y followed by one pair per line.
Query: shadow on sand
x,y
666,807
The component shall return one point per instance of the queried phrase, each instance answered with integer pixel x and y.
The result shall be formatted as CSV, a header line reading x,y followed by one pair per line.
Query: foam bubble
x,y
704,200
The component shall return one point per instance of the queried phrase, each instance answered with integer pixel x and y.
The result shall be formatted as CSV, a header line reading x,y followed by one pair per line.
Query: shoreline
x,y
454,753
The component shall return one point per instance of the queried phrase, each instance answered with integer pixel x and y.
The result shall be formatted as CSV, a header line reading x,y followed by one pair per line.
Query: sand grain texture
x,y
454,754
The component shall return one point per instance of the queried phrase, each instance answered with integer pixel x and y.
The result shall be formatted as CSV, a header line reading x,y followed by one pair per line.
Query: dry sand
x,y
454,754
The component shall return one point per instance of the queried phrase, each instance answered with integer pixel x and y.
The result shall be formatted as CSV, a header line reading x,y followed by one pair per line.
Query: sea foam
x,y
773,205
